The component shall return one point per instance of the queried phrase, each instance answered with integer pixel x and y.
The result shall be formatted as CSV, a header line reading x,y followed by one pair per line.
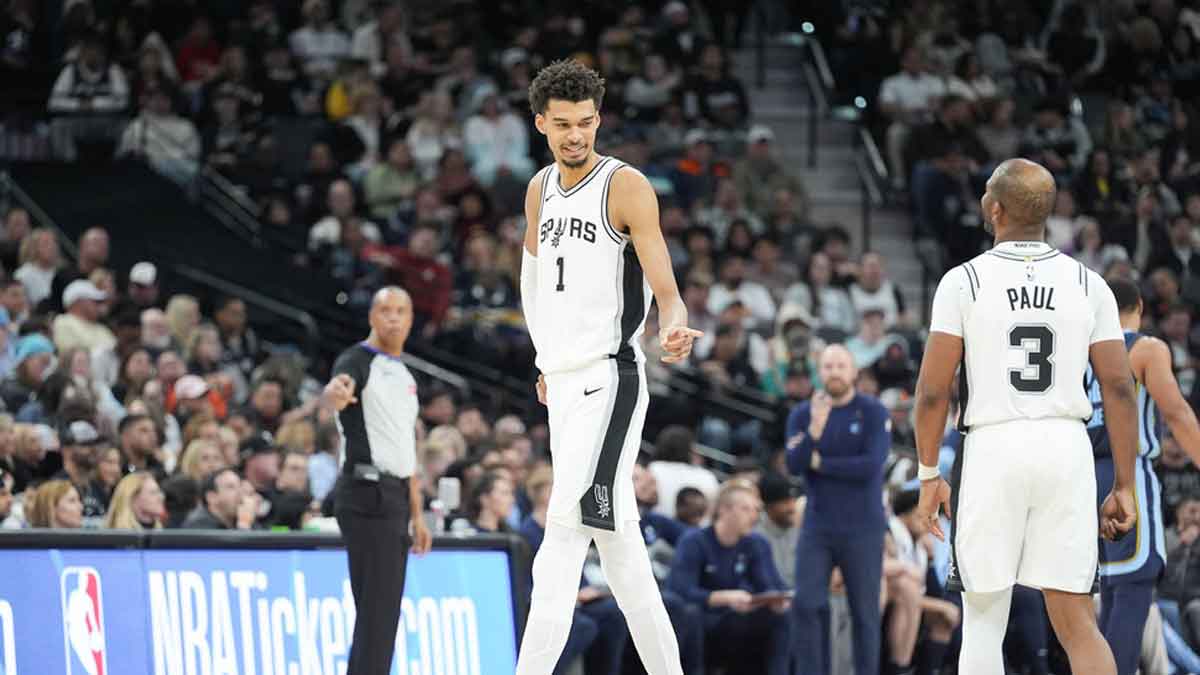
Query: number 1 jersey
x,y
592,295
1028,315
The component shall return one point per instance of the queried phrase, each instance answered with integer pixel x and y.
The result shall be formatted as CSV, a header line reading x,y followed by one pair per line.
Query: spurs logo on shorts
x,y
603,507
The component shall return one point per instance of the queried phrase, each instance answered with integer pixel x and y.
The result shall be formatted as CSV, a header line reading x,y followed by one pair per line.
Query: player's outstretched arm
x,y
1151,361
634,206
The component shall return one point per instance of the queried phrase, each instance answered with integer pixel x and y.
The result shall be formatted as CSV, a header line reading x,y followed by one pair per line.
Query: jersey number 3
x,y
1037,341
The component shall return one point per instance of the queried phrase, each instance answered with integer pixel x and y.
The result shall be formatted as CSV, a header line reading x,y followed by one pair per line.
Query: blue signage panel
x,y
241,612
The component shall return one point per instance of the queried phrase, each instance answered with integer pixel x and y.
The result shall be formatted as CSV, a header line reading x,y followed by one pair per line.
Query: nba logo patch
x,y
83,622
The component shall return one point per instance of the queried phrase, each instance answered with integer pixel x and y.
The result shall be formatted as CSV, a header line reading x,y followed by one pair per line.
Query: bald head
x,y
391,317
1024,192
390,294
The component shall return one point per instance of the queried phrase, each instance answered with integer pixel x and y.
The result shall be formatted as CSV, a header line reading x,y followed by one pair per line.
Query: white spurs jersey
x,y
1028,315
592,296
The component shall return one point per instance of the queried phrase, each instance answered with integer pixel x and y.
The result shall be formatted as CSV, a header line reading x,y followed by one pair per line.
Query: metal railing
x,y
12,193
265,303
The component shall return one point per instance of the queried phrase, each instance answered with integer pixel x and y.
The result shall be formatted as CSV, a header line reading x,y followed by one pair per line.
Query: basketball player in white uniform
x,y
594,253
1025,320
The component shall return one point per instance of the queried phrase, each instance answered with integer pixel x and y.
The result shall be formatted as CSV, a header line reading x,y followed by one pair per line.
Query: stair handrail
x,y
13,191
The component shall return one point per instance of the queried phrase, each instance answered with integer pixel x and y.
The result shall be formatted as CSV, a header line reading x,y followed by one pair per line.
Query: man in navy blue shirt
x,y
728,570
839,443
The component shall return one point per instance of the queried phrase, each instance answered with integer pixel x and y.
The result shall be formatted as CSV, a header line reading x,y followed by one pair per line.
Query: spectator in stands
x,y
228,139
240,345
1179,253
780,523
89,95
490,502
649,91
677,465
1176,331
433,131
92,255
138,442
319,44
80,326
691,507
816,294
839,442
695,174
1180,478
286,90
759,175
725,211
374,38
136,370
733,286
677,39
80,443
8,521
198,54
722,568
35,354
954,122
327,232
496,141
873,289
720,98
183,316
30,445
907,99
14,301
17,226
1056,139
168,142
769,268
872,339
39,260
200,458
391,186
222,504
181,494
970,82
138,503
56,504
1121,136
946,207
266,406
999,136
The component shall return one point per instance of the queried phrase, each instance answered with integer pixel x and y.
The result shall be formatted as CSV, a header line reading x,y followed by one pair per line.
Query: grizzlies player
x,y
1129,568
593,254
1025,320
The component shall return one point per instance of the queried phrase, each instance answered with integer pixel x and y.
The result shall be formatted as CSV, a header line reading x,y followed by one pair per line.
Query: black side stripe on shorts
x,y
954,582
596,506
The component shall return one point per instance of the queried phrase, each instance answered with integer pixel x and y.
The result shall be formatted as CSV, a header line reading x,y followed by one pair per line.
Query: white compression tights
x,y
985,621
626,565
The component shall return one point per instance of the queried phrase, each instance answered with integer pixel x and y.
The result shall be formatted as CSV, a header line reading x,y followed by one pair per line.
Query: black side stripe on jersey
x,y
608,228
633,304
954,581
596,506
586,179
964,392
970,282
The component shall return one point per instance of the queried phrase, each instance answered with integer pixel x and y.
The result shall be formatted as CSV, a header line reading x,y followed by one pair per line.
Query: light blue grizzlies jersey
x,y
1149,422
1141,554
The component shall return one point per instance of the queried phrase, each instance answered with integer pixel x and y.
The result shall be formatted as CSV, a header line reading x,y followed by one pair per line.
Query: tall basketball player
x,y
592,244
1025,321
1129,568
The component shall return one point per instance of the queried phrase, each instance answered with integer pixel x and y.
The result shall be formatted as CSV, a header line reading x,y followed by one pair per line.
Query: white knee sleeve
x,y
556,570
985,621
627,569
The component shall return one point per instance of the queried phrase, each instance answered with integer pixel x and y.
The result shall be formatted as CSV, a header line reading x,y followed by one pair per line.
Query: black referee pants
x,y
373,517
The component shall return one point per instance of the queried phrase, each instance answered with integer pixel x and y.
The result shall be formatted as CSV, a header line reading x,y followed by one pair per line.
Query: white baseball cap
x,y
760,132
82,289
143,274
190,386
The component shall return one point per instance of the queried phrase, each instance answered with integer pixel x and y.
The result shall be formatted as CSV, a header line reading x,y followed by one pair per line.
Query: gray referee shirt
x,y
380,428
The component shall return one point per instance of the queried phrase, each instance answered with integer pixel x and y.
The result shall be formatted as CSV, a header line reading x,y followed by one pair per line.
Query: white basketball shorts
x,y
1026,507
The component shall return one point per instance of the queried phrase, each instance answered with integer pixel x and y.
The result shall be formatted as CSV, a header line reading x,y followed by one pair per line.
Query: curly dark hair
x,y
565,80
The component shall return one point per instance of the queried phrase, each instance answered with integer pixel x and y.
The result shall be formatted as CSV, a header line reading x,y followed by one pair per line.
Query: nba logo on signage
x,y
83,622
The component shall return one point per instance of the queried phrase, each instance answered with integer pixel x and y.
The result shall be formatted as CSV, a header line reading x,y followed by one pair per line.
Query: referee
x,y
374,498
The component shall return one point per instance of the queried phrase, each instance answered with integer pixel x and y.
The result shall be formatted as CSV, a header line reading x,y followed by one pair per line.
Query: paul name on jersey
x,y
555,228
1025,297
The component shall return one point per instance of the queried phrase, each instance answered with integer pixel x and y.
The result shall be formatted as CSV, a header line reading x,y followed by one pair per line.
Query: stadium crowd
x,y
128,408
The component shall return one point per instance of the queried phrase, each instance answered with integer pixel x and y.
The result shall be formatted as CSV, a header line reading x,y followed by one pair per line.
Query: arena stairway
x,y
834,186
